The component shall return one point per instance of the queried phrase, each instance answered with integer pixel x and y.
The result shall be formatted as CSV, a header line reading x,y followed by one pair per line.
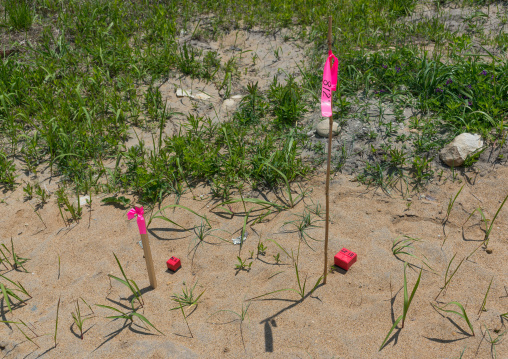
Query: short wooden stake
x,y
148,260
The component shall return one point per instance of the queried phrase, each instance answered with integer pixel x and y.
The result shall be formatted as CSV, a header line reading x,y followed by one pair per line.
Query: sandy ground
x,y
346,318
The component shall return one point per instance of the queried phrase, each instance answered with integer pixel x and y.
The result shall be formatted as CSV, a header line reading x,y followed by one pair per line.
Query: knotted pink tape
x,y
138,211
329,84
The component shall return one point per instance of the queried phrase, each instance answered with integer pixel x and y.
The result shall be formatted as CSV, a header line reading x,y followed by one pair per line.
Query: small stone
x,y
83,201
323,128
229,103
489,251
455,153
237,97
202,96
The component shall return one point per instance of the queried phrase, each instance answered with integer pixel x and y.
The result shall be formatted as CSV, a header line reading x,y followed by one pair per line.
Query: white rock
x,y
229,103
184,93
455,153
83,200
201,96
323,128
237,97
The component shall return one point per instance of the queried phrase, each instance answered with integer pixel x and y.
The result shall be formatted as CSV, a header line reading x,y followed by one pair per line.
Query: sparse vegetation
x,y
166,103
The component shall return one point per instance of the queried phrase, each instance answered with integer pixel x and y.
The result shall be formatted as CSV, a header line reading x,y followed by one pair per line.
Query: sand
x,y
347,318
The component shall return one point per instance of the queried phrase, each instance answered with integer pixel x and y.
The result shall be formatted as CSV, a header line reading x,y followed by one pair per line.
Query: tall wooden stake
x,y
330,134
148,260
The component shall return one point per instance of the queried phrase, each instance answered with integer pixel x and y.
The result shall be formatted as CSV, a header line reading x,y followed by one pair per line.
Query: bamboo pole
x,y
327,193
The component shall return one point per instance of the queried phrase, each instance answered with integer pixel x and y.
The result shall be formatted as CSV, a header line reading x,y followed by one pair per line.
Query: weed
x,y
56,320
129,316
451,202
63,202
10,292
303,225
446,278
78,319
121,201
261,248
482,308
241,317
407,303
21,15
401,246
165,218
17,261
462,313
186,300
22,332
276,257
301,285
242,265
287,101
129,283
485,241
496,341
7,171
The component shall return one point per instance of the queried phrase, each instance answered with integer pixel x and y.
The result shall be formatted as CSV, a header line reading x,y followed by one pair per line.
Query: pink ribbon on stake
x,y
138,211
329,84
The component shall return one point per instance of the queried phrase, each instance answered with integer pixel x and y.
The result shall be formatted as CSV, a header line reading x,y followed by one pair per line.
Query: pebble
x,y
229,103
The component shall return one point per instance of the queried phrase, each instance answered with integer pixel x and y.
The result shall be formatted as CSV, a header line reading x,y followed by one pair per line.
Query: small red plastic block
x,y
173,263
345,259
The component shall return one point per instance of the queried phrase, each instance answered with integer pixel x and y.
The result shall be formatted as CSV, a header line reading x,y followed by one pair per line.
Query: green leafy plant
x,y
21,15
186,299
482,308
242,265
301,226
241,317
407,303
451,202
495,341
165,218
120,201
10,292
129,283
301,291
30,339
403,245
7,171
56,320
129,316
261,248
485,241
78,319
17,261
462,313
74,210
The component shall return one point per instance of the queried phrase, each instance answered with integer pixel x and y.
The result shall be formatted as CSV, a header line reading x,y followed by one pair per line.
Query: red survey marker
x,y
173,263
345,259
